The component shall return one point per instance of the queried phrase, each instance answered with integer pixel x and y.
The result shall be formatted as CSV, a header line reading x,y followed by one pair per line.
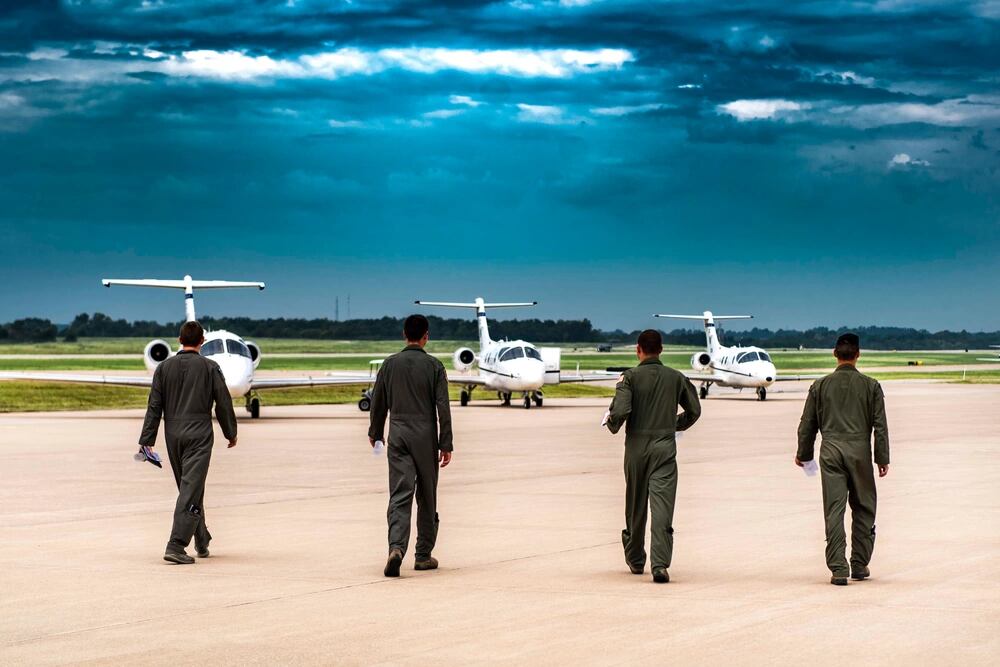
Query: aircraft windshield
x,y
236,347
747,356
511,353
532,353
212,347
764,356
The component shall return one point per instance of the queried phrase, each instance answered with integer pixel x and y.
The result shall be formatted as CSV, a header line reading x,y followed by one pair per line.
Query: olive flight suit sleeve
x,y
380,405
808,427
223,404
445,443
881,427
154,410
621,404
688,400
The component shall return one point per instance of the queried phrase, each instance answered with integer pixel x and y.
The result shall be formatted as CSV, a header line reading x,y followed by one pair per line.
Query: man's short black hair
x,y
650,341
848,347
192,334
415,327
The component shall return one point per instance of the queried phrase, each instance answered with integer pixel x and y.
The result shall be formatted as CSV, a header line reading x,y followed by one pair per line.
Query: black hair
x,y
192,334
415,327
650,341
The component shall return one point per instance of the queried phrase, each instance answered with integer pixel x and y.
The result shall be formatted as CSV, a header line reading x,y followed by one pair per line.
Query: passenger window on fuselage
x,y
212,347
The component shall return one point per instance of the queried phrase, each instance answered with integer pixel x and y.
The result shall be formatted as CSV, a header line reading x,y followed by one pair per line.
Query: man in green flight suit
x,y
183,391
412,389
646,401
846,407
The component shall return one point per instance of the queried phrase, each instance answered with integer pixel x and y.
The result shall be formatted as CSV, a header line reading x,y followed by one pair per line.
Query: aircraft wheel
x,y
254,408
703,392
762,394
527,401
365,404
506,400
538,398
464,398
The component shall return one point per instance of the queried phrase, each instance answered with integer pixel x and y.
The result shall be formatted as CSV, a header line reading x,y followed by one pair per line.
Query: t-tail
x,y
480,306
187,284
711,337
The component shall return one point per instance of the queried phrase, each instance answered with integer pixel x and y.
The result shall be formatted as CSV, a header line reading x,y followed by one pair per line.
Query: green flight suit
x,y
183,390
412,388
846,406
646,401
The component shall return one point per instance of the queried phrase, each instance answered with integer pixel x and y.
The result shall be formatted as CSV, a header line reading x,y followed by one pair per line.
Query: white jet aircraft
x,y
997,358
507,366
237,358
740,367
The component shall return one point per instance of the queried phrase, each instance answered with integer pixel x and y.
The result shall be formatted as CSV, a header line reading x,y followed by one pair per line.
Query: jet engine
x,y
463,359
701,360
156,352
254,352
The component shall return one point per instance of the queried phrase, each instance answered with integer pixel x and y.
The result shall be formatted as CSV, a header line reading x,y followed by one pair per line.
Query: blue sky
x,y
809,162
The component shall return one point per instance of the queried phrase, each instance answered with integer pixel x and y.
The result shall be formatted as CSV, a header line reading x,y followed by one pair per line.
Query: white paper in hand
x,y
607,416
810,468
378,448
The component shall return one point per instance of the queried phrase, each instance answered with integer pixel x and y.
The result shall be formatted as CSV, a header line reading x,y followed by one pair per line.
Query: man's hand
x,y
444,458
883,469
371,441
799,463
232,443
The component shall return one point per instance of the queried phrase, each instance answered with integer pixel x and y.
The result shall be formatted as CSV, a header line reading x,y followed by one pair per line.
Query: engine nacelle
x,y
156,352
463,359
254,352
701,360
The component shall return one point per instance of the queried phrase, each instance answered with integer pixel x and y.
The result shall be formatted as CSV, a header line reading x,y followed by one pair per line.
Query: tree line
x,y
99,325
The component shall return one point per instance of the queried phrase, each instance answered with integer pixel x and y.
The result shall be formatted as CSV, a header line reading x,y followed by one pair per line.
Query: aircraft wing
x,y
988,359
708,378
310,381
588,377
466,380
120,380
795,378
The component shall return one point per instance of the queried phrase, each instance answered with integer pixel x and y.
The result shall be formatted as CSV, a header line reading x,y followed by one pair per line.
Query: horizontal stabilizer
x,y
704,317
181,284
453,304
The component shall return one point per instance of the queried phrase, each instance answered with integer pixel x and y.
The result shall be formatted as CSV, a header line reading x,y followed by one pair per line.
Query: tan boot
x,y
429,563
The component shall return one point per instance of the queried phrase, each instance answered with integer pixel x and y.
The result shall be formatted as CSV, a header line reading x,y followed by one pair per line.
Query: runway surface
x,y
532,570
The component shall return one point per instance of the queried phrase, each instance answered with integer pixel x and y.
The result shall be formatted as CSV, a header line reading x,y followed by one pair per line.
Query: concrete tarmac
x,y
532,570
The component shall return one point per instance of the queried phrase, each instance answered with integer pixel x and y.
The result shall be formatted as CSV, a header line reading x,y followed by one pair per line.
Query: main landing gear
x,y
761,393
504,398
365,403
466,396
703,392
253,406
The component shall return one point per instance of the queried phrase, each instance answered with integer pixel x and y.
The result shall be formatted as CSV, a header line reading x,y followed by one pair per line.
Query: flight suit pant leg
x,y
836,490
662,495
862,498
402,486
636,503
189,460
426,493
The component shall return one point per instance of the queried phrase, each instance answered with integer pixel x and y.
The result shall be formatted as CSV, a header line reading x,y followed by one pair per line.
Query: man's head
x,y
192,335
415,329
649,344
848,348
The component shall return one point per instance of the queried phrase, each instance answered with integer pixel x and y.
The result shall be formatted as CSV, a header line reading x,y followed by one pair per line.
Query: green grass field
x,y
31,396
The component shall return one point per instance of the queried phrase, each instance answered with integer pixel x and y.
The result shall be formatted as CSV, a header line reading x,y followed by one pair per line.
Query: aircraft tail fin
x,y
711,337
480,305
187,284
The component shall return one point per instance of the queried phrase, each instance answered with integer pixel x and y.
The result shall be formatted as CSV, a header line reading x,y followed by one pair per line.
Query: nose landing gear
x,y
761,393
253,406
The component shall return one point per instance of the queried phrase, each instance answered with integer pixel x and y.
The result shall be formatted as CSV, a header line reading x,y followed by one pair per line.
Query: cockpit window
x,y
532,353
236,347
746,357
212,347
764,356
511,353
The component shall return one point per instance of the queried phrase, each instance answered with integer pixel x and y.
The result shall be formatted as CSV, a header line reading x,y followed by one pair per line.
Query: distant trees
x,y
100,325
29,330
